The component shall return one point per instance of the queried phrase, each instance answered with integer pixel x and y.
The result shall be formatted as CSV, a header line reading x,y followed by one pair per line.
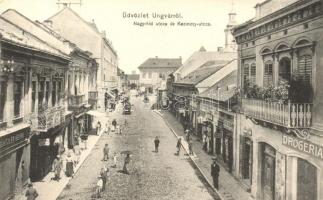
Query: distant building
x,y
133,79
87,36
154,71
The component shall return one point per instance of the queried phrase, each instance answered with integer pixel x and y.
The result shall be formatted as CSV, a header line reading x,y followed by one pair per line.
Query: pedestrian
x,y
77,153
156,141
58,164
107,129
106,152
126,162
204,140
31,192
99,186
118,129
98,128
190,147
207,142
125,122
215,172
178,145
115,159
187,133
104,176
114,123
69,165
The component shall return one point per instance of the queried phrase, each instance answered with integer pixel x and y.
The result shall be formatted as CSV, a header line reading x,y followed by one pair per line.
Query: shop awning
x,y
96,113
111,95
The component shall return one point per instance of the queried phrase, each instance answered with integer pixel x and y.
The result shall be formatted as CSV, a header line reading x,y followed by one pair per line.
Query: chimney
x,y
220,49
49,23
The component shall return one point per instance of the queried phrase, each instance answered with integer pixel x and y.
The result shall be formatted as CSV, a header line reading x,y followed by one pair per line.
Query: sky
x,y
134,44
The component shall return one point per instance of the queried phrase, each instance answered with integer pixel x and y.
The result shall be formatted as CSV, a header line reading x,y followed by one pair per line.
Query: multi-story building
x,y
42,77
154,71
133,80
280,126
87,37
32,108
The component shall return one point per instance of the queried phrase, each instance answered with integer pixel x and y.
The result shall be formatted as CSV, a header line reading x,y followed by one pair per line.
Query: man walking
x,y
31,192
178,145
126,162
190,146
106,152
58,164
156,141
215,172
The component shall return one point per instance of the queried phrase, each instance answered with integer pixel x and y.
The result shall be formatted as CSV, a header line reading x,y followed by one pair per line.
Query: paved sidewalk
x,y
50,189
229,188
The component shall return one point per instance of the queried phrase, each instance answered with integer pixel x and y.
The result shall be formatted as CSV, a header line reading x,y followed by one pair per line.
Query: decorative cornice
x,y
251,32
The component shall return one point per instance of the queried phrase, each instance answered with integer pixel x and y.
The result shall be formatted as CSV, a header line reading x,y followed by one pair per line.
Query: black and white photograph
x,y
161,100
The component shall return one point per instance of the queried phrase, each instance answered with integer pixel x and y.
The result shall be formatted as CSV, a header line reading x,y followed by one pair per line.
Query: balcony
x,y
49,118
76,101
290,115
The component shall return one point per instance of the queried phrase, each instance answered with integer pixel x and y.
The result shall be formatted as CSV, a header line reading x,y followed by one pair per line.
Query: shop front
x,y
14,161
45,146
280,165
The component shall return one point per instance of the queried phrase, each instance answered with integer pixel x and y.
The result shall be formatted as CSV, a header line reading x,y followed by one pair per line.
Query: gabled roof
x,y
27,25
133,77
161,63
198,75
200,57
227,87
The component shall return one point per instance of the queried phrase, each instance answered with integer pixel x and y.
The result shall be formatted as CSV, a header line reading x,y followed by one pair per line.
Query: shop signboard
x,y
303,146
13,141
43,142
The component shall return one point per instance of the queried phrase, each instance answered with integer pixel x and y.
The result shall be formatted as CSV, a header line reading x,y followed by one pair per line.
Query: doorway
x,y
268,167
306,180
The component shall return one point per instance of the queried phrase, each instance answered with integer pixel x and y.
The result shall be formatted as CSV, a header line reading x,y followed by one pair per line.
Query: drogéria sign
x,y
303,146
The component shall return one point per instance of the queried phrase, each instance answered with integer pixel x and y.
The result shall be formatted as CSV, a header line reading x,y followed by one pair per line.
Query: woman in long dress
x,y
69,165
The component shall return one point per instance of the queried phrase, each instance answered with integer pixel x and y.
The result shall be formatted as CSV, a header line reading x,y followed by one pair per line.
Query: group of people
x,y
71,160
114,127
103,174
189,141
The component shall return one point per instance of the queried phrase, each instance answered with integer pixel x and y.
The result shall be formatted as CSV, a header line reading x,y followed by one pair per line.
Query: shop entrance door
x,y
306,180
268,173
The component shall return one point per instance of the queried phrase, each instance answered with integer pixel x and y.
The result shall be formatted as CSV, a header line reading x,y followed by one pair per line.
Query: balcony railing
x,y
76,101
290,115
93,95
49,118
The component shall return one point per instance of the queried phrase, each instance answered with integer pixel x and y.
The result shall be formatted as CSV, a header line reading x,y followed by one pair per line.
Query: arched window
x,y
268,74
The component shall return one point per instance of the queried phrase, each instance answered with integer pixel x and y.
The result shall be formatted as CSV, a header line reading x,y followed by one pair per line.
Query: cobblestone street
x,y
161,175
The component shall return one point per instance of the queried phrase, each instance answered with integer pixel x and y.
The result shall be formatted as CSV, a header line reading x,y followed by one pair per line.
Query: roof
x,y
161,63
134,77
204,71
216,77
27,25
91,25
227,87
16,35
200,57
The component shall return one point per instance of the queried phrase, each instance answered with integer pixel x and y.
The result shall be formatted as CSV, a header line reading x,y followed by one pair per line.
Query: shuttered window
x,y
268,74
252,78
245,73
305,68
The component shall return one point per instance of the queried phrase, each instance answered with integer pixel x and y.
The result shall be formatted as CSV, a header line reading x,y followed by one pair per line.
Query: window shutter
x,y
305,68
268,74
253,73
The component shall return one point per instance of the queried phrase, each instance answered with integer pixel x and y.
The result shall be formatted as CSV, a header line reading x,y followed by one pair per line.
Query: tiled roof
x,y
204,71
133,76
200,57
161,63
227,89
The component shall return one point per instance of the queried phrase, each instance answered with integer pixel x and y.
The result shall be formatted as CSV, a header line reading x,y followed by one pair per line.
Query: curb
x,y
191,158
